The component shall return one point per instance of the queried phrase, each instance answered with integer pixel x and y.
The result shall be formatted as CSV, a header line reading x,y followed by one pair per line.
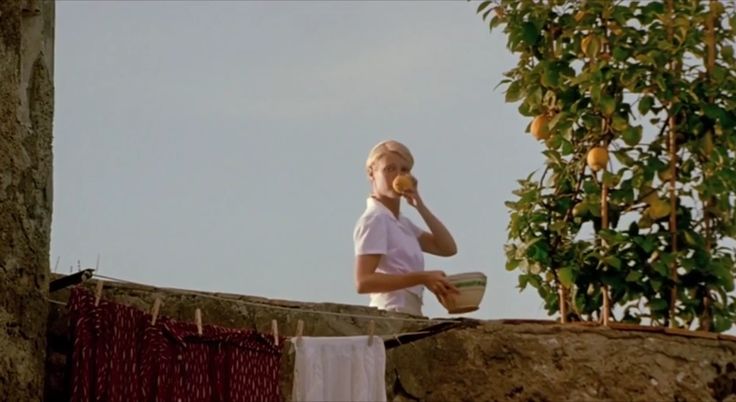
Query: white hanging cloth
x,y
339,369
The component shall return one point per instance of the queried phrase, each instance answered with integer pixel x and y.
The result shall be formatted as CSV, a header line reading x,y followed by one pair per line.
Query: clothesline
x,y
271,306
266,305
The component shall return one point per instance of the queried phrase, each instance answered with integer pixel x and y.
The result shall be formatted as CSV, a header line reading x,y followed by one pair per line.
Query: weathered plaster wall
x,y
489,361
26,115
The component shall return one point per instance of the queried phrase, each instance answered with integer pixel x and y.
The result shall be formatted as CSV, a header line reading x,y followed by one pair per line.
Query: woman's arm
x,y
367,280
438,240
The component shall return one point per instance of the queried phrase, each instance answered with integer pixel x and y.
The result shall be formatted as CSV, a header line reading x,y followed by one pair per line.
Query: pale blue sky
x,y
220,146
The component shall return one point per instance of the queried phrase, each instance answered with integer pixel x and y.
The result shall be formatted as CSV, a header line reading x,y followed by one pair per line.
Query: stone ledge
x,y
495,360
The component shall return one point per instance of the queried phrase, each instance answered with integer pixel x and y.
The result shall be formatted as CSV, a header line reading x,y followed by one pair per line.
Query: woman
x,y
389,263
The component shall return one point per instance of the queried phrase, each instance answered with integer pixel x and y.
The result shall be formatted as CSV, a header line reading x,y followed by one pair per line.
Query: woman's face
x,y
385,170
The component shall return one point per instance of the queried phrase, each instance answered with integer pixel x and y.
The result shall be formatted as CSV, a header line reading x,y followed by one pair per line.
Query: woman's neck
x,y
393,204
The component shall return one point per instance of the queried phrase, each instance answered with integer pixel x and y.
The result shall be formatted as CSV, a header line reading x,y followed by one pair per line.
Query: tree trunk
x,y
26,115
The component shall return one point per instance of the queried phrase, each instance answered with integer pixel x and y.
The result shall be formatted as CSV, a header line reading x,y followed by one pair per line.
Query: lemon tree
x,y
634,103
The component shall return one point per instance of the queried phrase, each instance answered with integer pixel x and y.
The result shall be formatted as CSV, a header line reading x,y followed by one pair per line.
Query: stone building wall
x,y
26,114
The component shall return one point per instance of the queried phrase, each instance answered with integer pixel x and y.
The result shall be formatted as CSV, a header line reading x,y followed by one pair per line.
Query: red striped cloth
x,y
119,357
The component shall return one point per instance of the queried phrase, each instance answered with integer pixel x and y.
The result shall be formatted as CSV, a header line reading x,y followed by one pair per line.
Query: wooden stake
x,y
198,320
371,332
154,310
563,303
98,292
604,225
299,330
673,176
705,320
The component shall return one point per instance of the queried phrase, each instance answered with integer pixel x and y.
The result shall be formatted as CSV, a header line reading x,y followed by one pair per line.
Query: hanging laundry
x,y
119,356
106,349
339,369
219,365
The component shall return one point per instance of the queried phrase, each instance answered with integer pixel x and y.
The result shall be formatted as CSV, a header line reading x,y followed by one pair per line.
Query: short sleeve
x,y
416,229
371,236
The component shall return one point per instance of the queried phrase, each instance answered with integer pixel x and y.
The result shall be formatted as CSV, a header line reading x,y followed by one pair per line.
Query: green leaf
x,y
496,21
721,324
713,111
612,261
632,135
566,276
608,105
553,122
529,33
482,6
610,179
645,104
633,276
538,250
620,123
503,81
523,280
727,52
566,148
620,54
622,156
646,244
590,187
658,304
514,92
661,268
535,281
551,77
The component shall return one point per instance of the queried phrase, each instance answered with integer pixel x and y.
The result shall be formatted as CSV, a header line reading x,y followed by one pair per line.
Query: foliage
x,y
627,76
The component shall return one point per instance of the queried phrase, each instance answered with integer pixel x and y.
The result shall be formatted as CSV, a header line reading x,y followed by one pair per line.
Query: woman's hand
x,y
412,195
436,282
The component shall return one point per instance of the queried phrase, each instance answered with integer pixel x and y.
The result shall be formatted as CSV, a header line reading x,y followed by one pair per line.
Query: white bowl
x,y
472,287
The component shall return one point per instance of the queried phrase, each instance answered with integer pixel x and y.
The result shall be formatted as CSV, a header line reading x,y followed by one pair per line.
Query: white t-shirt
x,y
378,231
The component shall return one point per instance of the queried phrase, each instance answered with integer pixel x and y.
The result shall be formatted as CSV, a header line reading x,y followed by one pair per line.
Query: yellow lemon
x,y
597,158
579,209
658,209
539,128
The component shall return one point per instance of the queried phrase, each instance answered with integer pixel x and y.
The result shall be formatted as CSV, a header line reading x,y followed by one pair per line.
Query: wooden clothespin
x,y
198,320
299,330
154,310
275,330
98,293
371,332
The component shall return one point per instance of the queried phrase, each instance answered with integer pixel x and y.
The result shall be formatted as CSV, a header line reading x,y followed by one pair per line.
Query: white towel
x,y
339,369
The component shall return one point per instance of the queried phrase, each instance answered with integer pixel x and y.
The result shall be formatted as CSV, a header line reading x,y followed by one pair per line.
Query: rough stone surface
x,y
26,115
485,361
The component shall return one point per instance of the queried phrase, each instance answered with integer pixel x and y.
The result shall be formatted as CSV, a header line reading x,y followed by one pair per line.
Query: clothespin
x,y
98,293
198,320
371,332
275,330
154,310
299,330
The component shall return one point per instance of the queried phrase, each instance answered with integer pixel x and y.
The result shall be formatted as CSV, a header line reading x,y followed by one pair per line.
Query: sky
x,y
219,146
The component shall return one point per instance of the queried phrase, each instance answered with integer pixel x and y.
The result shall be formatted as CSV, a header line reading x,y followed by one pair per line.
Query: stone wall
x,y
26,114
482,361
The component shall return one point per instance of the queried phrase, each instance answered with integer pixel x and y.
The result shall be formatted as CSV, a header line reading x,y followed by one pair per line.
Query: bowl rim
x,y
467,275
